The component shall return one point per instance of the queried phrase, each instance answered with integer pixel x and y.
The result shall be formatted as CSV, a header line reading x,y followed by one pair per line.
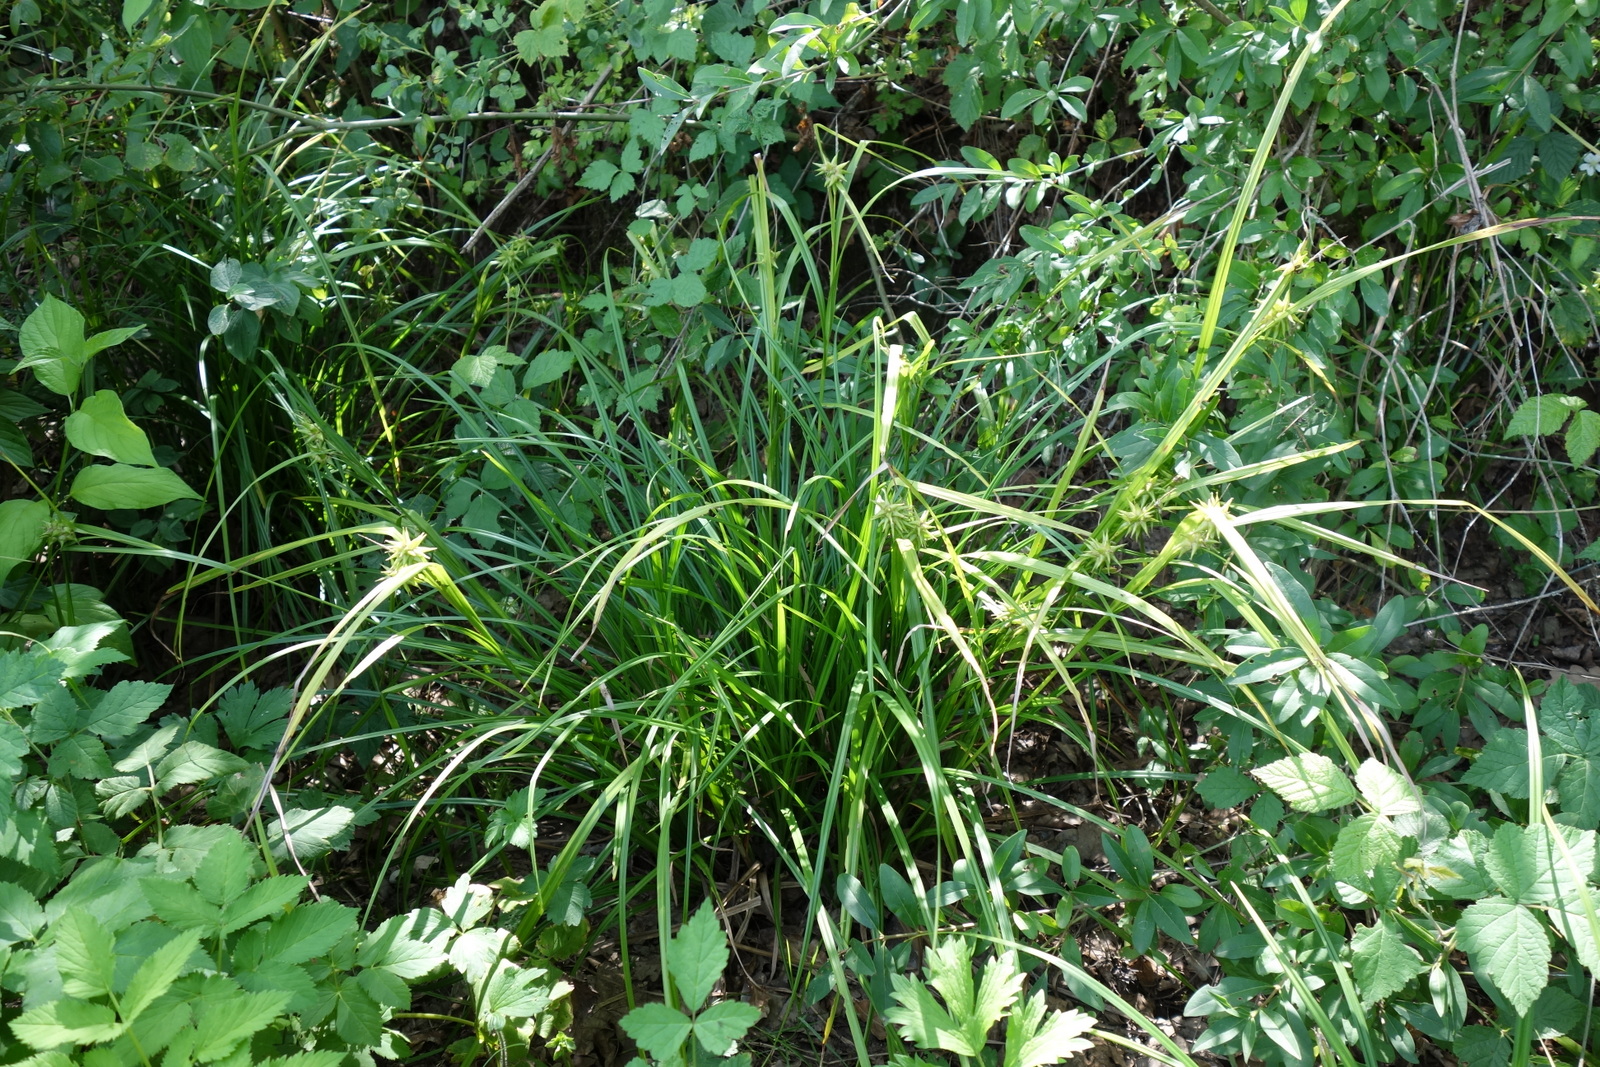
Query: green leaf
x,y
658,1029
1531,867
1225,787
66,1022
963,76
101,428
22,525
254,719
26,678
1386,790
307,931
116,713
547,367
21,917
156,974
598,175
1558,154
688,291
1503,765
1035,1038
719,1027
195,761
224,1020
1382,961
696,956
311,833
53,344
266,898
180,905
85,953
14,447
1308,782
1366,845
548,37
1583,437
224,871
411,946
1507,945
119,486
357,1017
1538,417
921,1020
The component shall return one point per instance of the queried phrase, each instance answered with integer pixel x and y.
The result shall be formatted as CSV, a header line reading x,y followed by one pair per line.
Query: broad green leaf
x,y
521,992
1455,868
1366,845
116,713
1572,923
1538,417
195,761
1583,437
179,904
118,487
27,677
357,1017
1503,765
658,1029
266,898
224,871
688,290
224,1020
1382,961
311,834
54,346
309,930
697,956
80,756
1531,867
21,917
857,901
1507,945
386,988
85,953
1579,789
719,1027
101,428
14,446
547,367
22,524
66,1022
156,974
1385,790
1225,787
478,952
1308,782
410,945
254,719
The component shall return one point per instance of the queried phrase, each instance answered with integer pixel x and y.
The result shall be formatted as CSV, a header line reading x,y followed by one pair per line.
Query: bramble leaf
x,y
1507,945
697,956
1308,782
1382,961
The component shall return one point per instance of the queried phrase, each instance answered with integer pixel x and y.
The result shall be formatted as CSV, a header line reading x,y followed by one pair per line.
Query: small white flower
x,y
1591,163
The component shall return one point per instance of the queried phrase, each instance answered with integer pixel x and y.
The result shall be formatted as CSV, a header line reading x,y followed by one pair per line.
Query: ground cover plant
x,y
927,533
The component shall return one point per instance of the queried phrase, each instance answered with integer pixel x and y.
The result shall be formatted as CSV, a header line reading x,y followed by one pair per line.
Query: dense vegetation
x,y
934,531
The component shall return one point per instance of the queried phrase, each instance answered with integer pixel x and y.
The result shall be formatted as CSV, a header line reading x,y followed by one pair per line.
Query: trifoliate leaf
x,y
1308,782
1508,946
658,1029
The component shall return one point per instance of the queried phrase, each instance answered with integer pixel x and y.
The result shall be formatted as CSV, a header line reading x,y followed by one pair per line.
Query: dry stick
x,y
534,171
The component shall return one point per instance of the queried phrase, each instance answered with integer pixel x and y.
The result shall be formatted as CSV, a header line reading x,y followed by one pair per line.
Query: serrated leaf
x,y
1386,790
411,946
85,953
1531,867
179,904
921,1020
157,973
548,366
357,1017
1225,787
224,871
254,719
1583,437
117,486
21,917
195,761
308,931
266,898
119,711
1558,154
1539,416
658,1029
1503,765
1455,870
66,1022
475,953
719,1027
1382,961
1507,945
100,427
598,175
1308,782
223,1021
697,955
